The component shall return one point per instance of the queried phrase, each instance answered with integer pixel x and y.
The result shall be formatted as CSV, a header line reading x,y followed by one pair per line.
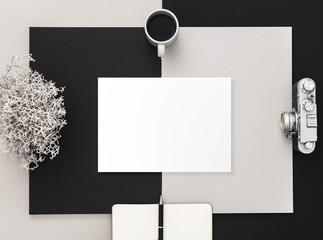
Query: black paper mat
x,y
75,58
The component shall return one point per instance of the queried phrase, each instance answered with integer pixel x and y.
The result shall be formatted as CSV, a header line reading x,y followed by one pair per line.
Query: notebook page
x,y
187,222
135,222
181,222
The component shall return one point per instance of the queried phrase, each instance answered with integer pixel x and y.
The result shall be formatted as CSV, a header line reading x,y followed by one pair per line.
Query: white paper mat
x,y
259,60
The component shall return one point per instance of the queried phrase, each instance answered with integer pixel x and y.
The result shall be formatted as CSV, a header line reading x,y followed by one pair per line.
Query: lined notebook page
x,y
181,222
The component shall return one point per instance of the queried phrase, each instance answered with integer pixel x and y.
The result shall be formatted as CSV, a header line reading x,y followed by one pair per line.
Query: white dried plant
x,y
32,113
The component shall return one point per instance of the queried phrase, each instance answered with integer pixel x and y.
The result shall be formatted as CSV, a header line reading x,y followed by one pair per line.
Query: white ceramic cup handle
x,y
161,50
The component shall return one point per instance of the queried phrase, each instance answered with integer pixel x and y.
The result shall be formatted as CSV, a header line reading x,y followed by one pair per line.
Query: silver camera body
x,y
301,123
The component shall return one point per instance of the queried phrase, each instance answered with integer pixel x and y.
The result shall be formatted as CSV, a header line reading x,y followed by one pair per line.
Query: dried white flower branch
x,y
32,114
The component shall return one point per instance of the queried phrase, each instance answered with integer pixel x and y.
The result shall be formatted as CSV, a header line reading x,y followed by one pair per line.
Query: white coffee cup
x,y
161,45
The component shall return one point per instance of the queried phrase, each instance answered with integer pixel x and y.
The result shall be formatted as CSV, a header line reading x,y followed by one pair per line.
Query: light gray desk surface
x,y
16,17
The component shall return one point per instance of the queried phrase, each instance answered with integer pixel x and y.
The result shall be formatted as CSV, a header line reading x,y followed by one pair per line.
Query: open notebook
x,y
181,222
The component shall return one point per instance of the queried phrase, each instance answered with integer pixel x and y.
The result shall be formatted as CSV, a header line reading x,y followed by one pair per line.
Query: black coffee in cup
x,y
161,27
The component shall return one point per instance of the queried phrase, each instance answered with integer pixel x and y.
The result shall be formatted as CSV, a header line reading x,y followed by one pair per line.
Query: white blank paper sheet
x,y
164,125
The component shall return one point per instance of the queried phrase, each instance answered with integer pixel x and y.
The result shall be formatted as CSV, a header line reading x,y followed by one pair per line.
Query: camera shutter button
x,y
311,96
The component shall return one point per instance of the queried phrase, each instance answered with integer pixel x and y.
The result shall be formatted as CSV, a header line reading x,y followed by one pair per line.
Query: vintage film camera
x,y
301,123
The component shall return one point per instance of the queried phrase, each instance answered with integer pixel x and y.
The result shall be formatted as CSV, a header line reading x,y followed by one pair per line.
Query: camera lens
x,y
288,122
